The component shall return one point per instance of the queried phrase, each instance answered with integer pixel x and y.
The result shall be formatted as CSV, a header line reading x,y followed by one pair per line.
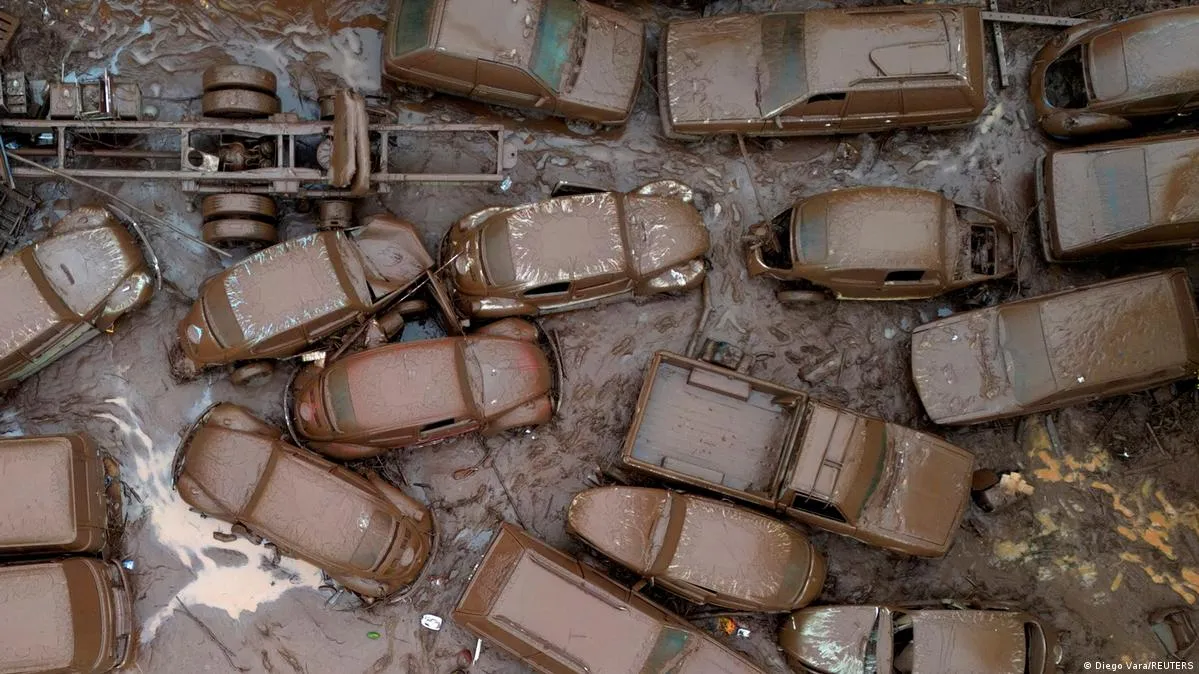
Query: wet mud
x,y
1110,533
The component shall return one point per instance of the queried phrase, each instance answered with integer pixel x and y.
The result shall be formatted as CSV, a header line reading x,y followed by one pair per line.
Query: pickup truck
x,y
768,445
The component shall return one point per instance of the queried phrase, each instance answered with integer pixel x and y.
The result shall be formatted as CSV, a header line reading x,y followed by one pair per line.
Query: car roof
x,y
886,228
559,239
39,624
1116,331
292,283
37,495
86,266
591,626
496,31
844,46
400,385
1150,55
1108,191
26,313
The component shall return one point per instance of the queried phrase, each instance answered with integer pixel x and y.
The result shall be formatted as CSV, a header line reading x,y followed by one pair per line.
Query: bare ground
x,y
1110,533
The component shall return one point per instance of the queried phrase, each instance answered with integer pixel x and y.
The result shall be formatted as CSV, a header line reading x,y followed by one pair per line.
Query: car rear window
x,y
556,32
1026,356
411,25
785,76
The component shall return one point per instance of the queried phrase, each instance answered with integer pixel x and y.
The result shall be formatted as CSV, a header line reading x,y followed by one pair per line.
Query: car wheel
x,y
801,296
237,233
252,374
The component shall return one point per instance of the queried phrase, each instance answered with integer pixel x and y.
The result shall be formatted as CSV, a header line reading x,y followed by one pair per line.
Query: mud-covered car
x,y
875,243
1101,76
54,496
822,72
775,447
416,393
59,293
558,616
568,58
1128,195
1072,346
571,252
286,298
74,615
365,533
708,551
919,638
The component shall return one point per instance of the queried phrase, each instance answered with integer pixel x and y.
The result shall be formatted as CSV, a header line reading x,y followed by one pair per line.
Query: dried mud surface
x,y
1110,534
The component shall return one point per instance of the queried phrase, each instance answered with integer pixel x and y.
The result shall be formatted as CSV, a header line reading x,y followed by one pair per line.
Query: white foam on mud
x,y
232,589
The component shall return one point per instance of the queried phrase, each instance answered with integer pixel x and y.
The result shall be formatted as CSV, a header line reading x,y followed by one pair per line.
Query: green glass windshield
x,y
785,75
556,29
410,26
670,644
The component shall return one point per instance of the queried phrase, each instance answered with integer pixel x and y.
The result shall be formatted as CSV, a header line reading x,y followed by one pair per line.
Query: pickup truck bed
x,y
698,421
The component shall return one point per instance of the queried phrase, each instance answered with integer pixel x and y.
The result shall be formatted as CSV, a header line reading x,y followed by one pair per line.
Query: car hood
x,y
958,368
948,642
610,70
711,68
620,522
830,638
924,492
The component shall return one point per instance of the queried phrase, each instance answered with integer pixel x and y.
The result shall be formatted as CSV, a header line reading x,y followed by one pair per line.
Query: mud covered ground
x,y
1111,532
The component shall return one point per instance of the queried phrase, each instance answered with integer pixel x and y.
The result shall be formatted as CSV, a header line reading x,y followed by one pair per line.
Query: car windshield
x,y
784,71
813,232
1025,355
410,26
556,41
671,642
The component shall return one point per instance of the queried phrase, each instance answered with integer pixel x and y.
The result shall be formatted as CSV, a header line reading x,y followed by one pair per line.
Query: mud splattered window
x,y
410,26
813,232
784,75
670,643
557,33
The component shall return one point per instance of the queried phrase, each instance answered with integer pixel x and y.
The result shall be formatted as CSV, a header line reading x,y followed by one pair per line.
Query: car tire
x,y
224,206
252,374
234,76
801,296
236,233
239,104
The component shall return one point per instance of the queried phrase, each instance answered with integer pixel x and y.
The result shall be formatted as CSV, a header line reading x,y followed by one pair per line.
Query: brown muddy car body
x,y
1123,196
365,533
59,293
1100,76
53,496
416,393
822,72
1046,352
707,551
876,243
567,58
919,638
73,616
281,300
572,252
557,615
772,446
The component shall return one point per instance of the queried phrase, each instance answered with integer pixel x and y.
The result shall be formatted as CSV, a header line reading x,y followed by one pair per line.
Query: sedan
x,y
68,288
1100,76
707,551
416,393
368,535
572,252
928,638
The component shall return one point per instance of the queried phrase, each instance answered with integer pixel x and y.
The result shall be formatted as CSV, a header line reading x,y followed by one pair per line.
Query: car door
x,y
328,325
445,428
549,296
508,85
599,287
819,113
875,109
927,101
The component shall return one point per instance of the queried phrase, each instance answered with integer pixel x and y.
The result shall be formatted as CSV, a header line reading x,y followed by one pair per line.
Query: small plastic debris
x,y
128,564
889,333
506,184
726,625
373,635
944,312
431,622
743,633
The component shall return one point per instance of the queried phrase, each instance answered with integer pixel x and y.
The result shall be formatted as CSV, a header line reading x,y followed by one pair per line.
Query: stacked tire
x,y
239,92
239,220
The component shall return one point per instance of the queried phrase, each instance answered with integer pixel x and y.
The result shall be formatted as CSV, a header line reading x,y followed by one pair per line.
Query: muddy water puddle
x,y
1069,551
